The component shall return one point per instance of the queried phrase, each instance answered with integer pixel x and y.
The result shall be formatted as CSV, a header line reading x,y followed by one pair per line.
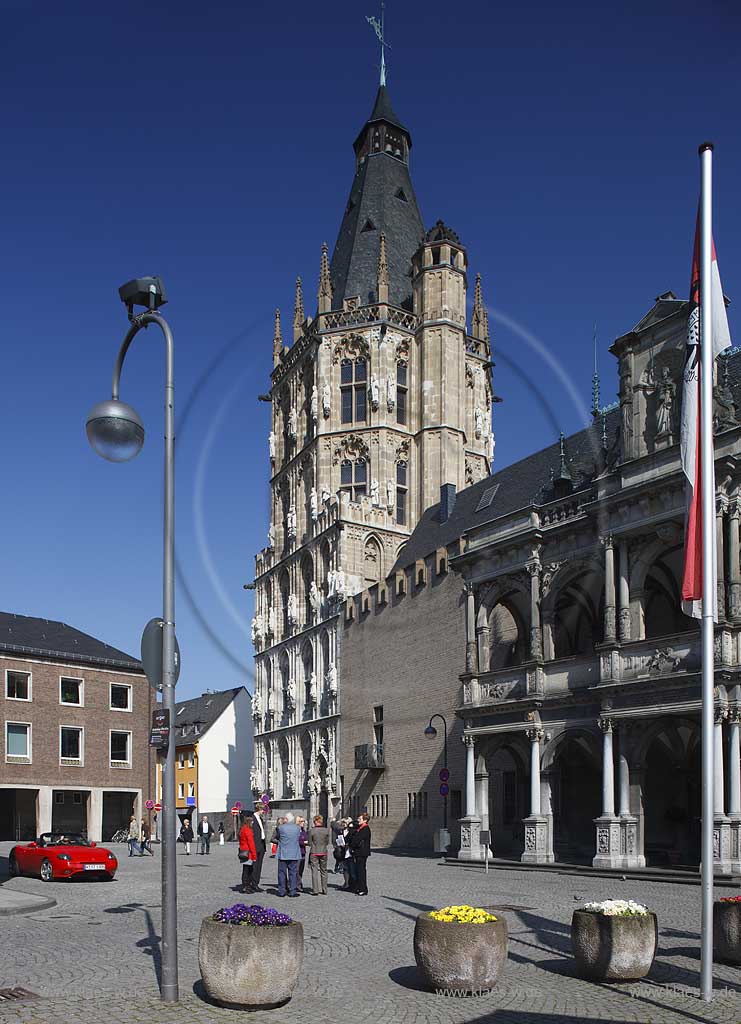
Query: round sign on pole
x,y
152,653
149,805
237,805
158,807
444,775
444,789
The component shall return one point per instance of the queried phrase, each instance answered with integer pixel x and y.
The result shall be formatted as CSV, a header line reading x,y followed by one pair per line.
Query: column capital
x,y
468,741
533,568
605,725
607,540
468,588
734,716
720,714
535,734
734,507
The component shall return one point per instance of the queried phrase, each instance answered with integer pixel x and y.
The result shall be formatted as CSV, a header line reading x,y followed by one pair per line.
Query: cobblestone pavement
x,y
94,956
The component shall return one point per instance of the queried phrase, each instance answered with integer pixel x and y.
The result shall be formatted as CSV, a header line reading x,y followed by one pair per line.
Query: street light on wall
x,y
431,733
116,433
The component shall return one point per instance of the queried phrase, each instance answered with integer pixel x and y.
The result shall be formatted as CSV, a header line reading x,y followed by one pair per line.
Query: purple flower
x,y
254,915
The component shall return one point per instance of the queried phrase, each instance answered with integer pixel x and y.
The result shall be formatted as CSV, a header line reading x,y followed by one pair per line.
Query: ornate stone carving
x,y
256,706
331,680
292,611
662,661
290,779
352,347
314,504
375,492
374,392
351,446
311,689
272,630
725,410
315,404
469,472
291,522
547,575
390,394
315,598
326,399
257,630
290,693
271,537
293,424
255,779
603,840
479,417
271,445
336,584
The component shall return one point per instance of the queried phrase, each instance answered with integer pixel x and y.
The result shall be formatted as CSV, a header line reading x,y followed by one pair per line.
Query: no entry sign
x,y
158,807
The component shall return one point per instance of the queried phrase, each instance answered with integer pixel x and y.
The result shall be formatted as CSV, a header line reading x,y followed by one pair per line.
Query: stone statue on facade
x,y
271,537
390,493
271,622
374,391
375,492
492,446
725,411
339,583
257,629
390,394
314,504
665,394
314,778
293,424
256,706
326,400
255,779
479,422
326,494
291,695
311,685
315,597
290,779
292,610
271,445
315,403
331,680
291,522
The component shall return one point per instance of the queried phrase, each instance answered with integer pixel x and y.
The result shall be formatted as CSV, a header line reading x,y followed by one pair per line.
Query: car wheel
x,y
47,871
13,867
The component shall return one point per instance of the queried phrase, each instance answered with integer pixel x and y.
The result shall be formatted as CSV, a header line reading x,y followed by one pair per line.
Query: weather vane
x,y
379,30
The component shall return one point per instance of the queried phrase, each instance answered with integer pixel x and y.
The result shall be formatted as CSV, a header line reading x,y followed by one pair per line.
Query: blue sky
x,y
211,144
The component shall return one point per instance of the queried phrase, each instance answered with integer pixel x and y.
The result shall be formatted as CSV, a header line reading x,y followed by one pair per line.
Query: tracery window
x,y
353,395
401,392
401,493
354,478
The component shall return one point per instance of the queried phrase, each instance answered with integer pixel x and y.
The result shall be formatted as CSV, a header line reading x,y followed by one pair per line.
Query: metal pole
x,y
169,980
708,565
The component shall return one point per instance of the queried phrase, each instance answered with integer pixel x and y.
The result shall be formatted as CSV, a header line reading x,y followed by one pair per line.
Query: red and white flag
x,y
690,435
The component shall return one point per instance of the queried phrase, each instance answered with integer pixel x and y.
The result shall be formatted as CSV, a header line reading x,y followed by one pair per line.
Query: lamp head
x,y
430,732
115,430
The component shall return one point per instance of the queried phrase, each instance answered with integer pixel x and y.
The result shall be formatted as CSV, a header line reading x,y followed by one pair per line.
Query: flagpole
x,y
708,564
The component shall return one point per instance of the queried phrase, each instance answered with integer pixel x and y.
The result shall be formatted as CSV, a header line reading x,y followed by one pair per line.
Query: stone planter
x,y
250,967
613,948
465,957
727,932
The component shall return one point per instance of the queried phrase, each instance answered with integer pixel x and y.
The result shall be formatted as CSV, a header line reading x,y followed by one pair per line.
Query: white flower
x,y
616,908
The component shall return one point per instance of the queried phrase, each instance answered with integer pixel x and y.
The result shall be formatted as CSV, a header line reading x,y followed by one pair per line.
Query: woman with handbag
x,y
247,854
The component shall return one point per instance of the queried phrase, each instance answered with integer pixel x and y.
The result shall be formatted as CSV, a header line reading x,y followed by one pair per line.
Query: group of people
x,y
140,837
291,841
204,831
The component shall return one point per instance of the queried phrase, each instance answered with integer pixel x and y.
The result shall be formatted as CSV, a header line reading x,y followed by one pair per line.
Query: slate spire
x,y
381,202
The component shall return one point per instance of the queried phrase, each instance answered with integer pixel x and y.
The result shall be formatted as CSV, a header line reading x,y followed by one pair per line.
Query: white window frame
x,y
191,789
192,759
125,686
181,759
73,762
67,703
120,765
18,758
20,672
181,791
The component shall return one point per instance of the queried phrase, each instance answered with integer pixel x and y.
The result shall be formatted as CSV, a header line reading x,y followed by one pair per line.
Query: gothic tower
x,y
382,398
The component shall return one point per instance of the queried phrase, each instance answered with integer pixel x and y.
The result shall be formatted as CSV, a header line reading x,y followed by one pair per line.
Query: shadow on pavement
x,y
151,944
408,977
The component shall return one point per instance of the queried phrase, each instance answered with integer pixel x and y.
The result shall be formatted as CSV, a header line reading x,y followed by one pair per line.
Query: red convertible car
x,y
55,855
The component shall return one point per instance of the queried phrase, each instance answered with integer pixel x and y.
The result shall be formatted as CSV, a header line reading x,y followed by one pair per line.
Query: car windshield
x,y
62,839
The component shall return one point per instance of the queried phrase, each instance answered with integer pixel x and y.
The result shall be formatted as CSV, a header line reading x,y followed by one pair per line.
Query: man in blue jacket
x,y
289,855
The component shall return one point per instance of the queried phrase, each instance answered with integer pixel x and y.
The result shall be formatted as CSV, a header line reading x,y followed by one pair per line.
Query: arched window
x,y
284,762
577,619
402,386
307,575
354,478
285,505
326,566
325,651
663,602
401,493
353,384
307,661
268,683
506,637
285,590
372,561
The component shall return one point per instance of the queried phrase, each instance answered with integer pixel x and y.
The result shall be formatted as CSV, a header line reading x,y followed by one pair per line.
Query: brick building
x,y
74,742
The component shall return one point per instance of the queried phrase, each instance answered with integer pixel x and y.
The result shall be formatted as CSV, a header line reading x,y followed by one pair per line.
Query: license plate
x,y
93,867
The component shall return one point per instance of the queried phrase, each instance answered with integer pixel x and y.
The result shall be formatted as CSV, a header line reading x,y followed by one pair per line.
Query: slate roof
x,y
27,635
375,208
196,716
524,483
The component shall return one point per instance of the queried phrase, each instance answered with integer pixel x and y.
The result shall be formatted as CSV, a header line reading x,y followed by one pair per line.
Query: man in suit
x,y
289,854
205,831
258,833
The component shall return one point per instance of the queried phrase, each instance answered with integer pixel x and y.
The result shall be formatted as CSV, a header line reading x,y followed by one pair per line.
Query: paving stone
x,y
93,958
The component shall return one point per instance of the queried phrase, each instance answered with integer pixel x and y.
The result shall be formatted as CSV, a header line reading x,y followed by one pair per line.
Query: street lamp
x,y
116,433
431,733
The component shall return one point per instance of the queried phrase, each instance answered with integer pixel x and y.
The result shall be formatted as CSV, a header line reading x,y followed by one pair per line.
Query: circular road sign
x,y
444,789
444,775
238,805
158,807
152,653
149,805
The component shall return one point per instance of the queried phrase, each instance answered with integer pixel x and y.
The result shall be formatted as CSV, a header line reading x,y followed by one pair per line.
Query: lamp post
x,y
431,733
116,432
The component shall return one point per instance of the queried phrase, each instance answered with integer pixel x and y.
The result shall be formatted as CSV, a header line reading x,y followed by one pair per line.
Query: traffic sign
x,y
158,807
149,804
444,775
152,653
238,804
236,810
444,789
190,801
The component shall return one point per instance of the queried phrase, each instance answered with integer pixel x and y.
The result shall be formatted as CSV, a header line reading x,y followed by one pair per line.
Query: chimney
x,y
447,502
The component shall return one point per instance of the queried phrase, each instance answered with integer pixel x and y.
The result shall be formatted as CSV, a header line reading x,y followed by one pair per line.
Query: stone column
x,y
718,774
623,593
623,776
610,625
537,845
95,815
734,786
608,770
43,810
723,855
536,632
719,532
471,823
734,563
482,797
470,628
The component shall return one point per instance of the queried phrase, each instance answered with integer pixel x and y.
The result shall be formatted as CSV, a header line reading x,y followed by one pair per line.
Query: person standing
x,y
289,854
336,827
205,831
247,855
318,855
186,835
360,847
303,840
221,833
348,864
258,835
146,839
134,835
